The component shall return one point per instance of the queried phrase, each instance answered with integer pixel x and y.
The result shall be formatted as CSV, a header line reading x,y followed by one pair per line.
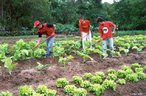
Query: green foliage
x,y
121,73
8,64
3,50
58,51
26,91
121,81
42,89
52,92
97,89
138,70
69,89
109,84
141,75
77,79
126,68
87,76
135,65
96,79
39,52
62,82
101,74
132,77
84,56
6,93
80,92
64,12
63,60
111,71
112,77
66,28
40,66
85,84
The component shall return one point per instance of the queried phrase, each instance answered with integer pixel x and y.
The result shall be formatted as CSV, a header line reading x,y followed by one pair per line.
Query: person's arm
x,y
113,25
114,28
80,29
39,40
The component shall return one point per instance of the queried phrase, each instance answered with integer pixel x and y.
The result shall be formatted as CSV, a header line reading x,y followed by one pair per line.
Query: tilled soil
x,y
26,74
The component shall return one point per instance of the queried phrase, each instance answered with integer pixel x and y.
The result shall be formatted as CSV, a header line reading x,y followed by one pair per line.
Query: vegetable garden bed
x,y
46,71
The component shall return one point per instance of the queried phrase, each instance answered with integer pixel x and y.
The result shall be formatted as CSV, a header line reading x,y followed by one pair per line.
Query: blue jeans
x,y
49,43
108,42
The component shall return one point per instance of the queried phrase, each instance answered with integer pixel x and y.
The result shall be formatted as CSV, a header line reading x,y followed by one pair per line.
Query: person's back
x,y
47,29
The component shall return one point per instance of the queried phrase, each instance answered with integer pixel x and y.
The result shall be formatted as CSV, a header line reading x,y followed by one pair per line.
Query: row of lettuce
x,y
88,83
25,50
66,50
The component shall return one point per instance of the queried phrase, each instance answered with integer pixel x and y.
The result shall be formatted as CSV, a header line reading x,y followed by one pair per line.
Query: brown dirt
x,y
26,74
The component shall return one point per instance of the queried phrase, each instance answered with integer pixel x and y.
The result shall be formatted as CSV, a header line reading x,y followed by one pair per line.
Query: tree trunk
x,y
1,9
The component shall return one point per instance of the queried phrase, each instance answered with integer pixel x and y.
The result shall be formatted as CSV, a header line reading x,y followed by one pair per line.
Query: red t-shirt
x,y
105,31
47,29
84,25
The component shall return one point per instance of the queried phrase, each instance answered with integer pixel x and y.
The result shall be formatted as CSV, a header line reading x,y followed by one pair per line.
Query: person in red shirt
x,y
84,27
106,33
49,31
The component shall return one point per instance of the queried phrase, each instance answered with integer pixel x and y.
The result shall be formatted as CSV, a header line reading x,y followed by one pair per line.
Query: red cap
x,y
36,23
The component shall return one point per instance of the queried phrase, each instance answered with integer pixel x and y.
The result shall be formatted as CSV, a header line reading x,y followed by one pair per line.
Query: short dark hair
x,y
99,19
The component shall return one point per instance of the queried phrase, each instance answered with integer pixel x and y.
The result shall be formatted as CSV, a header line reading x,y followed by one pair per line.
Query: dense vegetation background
x,y
16,15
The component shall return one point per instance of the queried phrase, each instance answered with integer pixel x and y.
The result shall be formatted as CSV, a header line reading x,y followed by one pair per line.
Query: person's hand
x,y
113,32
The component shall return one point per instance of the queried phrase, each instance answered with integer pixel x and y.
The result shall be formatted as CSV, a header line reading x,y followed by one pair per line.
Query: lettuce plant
x,y
42,89
141,75
80,92
111,71
96,79
62,82
109,84
139,70
8,64
132,77
7,93
87,76
63,60
85,84
51,92
135,65
101,74
77,79
97,89
26,91
121,81
39,52
69,89
121,73
112,77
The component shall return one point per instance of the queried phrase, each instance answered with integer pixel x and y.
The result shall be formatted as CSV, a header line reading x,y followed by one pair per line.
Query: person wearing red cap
x,y
49,31
105,32
84,27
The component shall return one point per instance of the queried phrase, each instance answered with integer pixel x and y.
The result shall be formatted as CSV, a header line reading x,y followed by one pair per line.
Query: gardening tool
x,y
42,41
